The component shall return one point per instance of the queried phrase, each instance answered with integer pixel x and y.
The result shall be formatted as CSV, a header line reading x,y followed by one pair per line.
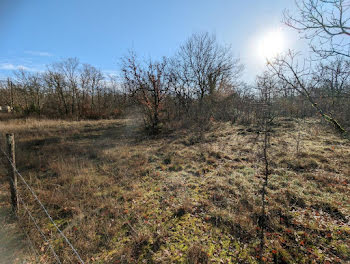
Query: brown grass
x,y
123,197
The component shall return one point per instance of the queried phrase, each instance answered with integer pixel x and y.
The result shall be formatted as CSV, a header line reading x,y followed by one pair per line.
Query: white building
x,y
6,109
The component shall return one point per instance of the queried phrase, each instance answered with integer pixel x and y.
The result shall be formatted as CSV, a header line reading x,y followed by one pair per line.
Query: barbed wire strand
x,y
39,229
30,241
43,207
36,253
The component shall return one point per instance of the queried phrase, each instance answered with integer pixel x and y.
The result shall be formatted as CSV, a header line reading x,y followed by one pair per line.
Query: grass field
x,y
123,197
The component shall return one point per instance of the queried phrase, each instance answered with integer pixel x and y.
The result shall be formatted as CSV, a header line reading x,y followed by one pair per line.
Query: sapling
x,y
266,85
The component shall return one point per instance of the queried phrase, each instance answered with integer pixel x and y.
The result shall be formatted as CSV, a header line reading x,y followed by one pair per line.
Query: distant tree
x,y
149,84
69,70
334,88
203,67
31,87
67,89
334,77
91,84
10,91
56,85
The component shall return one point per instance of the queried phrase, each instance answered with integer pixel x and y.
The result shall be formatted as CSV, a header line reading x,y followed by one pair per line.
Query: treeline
x,y
67,89
201,82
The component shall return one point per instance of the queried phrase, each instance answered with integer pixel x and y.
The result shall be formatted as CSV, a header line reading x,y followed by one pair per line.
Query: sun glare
x,y
271,44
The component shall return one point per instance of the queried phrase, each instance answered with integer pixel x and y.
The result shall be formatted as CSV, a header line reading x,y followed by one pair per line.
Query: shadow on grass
x,y
12,241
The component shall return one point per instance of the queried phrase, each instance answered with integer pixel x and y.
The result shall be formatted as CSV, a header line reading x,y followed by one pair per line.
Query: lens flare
x,y
271,44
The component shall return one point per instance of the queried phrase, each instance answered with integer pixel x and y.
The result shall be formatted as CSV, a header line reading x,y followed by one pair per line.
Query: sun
x,y
271,44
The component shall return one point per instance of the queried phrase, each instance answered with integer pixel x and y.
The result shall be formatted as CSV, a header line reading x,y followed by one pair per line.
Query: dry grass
x,y
122,197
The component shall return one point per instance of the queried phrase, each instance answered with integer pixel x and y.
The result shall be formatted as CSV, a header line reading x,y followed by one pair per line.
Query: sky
x,y
38,32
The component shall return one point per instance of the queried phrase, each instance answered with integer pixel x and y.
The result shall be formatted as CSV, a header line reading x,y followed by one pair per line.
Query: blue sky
x,y
37,32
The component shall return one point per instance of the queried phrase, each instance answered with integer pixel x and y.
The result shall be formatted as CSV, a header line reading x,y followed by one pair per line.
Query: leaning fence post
x,y
10,140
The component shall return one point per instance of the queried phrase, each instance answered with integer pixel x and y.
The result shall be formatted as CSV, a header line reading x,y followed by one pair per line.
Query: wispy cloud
x,y
13,67
110,73
10,66
39,53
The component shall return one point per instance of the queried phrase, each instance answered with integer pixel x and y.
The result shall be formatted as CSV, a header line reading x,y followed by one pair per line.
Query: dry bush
x,y
197,255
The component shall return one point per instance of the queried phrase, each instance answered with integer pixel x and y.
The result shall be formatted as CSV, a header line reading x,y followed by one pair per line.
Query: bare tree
x,y
91,84
267,86
67,89
204,66
300,77
326,23
11,89
149,84
56,85
69,69
31,86
181,88
334,77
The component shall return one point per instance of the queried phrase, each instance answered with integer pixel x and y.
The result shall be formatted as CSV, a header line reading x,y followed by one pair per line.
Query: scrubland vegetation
x,y
180,161
122,197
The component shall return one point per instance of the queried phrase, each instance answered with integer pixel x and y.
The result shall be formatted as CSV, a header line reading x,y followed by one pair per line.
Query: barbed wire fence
x,y
19,202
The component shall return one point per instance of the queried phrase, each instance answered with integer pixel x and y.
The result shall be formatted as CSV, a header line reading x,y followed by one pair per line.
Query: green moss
x,y
343,249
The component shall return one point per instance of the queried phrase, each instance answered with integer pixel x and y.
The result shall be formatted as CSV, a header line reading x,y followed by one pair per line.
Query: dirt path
x,y
13,244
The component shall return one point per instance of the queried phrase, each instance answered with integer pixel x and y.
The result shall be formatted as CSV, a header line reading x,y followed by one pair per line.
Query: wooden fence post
x,y
10,140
